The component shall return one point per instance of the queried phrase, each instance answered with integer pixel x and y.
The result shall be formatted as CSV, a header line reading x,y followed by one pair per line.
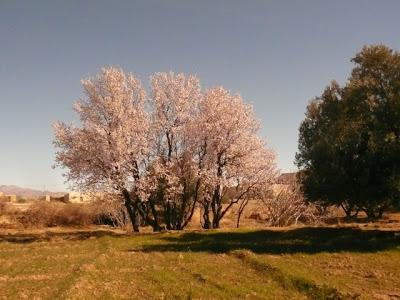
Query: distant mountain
x,y
27,192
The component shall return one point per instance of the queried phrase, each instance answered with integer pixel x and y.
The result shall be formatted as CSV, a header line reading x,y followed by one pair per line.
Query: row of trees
x,y
179,147
165,153
349,145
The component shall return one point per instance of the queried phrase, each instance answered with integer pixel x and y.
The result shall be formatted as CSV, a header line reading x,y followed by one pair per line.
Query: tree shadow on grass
x,y
300,240
26,238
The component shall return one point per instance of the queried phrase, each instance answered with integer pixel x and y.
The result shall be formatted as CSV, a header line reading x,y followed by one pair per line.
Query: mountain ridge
x,y
27,192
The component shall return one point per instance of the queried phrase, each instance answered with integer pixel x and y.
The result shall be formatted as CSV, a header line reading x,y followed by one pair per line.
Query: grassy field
x,y
297,263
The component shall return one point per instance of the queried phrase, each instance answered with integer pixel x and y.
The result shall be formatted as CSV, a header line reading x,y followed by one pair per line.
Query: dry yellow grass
x,y
352,261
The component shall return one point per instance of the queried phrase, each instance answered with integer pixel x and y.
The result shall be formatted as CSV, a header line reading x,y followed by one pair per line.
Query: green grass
x,y
302,263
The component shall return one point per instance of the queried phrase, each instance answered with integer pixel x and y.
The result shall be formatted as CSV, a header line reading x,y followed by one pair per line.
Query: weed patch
x,y
287,281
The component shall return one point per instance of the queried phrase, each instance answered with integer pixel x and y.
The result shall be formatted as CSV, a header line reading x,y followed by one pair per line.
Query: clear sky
x,y
276,54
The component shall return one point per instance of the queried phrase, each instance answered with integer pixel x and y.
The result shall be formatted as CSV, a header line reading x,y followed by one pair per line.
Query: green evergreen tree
x,y
349,142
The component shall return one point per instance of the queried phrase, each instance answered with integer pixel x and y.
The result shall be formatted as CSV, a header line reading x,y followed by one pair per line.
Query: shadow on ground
x,y
79,235
304,240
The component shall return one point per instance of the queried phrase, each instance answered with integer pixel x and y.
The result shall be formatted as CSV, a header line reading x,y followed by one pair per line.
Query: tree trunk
x,y
167,215
216,220
240,211
374,212
132,211
380,213
152,222
216,207
145,215
193,207
216,214
206,215
348,210
155,215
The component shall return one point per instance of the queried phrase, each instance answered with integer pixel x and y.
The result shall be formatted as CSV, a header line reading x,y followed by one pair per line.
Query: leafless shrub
x,y
109,211
287,206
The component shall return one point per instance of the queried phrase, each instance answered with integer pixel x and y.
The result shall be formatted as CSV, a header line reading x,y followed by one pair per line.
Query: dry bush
x,y
48,214
4,207
8,213
109,211
288,207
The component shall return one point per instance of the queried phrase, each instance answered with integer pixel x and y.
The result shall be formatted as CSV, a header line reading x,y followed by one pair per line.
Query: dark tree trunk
x,y
206,215
167,215
156,226
216,222
380,213
132,211
138,210
216,206
374,212
216,209
188,218
144,214
240,211
349,210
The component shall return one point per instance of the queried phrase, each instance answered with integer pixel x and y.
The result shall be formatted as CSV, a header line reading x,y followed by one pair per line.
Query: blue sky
x,y
276,54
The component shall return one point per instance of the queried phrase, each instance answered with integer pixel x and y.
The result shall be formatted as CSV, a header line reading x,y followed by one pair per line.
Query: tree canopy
x,y
349,142
167,153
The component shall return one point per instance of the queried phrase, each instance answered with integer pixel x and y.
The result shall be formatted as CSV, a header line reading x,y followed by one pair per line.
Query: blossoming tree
x,y
108,152
235,160
166,154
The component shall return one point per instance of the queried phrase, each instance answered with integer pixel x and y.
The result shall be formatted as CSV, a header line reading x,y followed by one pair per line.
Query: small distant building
x,y
75,197
78,197
47,198
11,198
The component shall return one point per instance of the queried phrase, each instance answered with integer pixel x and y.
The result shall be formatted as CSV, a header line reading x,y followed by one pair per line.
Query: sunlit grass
x,y
314,263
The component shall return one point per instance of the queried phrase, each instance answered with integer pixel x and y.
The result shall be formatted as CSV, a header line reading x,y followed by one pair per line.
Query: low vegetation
x,y
40,214
298,263
48,214
288,206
